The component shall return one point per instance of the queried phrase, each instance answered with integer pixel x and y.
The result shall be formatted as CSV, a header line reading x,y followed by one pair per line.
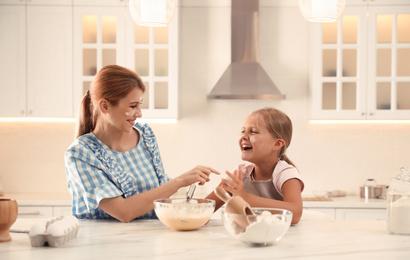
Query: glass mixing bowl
x,y
181,215
267,226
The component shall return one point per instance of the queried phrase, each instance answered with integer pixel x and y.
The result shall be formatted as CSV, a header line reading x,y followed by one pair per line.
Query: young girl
x,y
270,179
114,168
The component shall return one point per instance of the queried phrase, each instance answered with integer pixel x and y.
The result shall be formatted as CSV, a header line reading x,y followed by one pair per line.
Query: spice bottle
x,y
398,204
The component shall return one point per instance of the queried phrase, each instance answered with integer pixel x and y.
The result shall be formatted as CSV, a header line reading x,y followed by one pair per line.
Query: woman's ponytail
x,y
85,117
111,83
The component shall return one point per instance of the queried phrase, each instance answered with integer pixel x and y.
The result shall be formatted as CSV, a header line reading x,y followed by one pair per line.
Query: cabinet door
x,y
360,65
12,61
99,40
361,214
389,62
99,3
62,211
35,212
48,2
338,67
108,35
13,2
153,54
49,61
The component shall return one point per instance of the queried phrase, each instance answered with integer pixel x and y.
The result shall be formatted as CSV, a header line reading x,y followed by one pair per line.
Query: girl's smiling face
x,y
256,142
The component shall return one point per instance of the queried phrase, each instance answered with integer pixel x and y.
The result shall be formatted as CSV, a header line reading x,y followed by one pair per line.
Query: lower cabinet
x,y
43,211
35,211
354,213
328,211
61,211
361,214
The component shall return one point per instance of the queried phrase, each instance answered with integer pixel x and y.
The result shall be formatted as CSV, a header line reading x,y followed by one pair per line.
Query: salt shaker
x,y
398,204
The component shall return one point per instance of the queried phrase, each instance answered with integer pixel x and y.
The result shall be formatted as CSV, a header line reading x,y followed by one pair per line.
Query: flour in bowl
x,y
266,229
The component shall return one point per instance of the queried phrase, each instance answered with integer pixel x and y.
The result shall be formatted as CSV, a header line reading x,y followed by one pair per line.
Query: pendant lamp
x,y
323,11
154,13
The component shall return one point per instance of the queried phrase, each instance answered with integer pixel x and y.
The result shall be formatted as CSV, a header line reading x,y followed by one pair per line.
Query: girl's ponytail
x,y
286,159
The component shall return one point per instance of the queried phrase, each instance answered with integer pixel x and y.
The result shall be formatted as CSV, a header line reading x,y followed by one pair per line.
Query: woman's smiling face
x,y
128,109
256,142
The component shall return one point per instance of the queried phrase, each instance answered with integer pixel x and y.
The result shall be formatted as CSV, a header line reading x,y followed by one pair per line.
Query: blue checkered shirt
x,y
94,172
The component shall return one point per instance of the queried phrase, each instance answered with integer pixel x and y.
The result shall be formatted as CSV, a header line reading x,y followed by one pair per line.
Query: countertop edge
x,y
64,199
347,202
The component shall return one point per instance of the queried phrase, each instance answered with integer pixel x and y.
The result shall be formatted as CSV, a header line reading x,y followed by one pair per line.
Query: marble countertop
x,y
150,239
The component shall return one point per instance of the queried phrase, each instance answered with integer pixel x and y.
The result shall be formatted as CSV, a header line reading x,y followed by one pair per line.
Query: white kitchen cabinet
x,y
43,211
36,71
49,61
328,211
35,211
99,3
352,213
13,60
36,2
360,65
361,214
12,2
61,211
106,34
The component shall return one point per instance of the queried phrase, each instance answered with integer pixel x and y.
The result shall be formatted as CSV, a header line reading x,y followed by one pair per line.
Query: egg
x,y
54,231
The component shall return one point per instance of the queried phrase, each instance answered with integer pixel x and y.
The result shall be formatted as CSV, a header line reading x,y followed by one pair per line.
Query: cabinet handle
x,y
30,112
22,112
29,213
363,114
19,231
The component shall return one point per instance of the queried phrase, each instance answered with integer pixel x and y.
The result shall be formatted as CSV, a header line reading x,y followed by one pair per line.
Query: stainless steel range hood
x,y
245,78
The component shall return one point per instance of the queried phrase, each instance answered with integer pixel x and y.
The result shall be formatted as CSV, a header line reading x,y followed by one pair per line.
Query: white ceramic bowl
x,y
181,215
267,226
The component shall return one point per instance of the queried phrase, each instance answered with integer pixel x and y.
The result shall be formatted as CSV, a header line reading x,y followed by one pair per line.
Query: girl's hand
x,y
235,184
198,174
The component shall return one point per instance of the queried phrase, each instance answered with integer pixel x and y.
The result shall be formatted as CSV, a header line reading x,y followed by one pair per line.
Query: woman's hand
x,y
198,174
234,185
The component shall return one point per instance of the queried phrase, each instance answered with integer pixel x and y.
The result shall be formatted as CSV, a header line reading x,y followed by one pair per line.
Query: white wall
x,y
329,156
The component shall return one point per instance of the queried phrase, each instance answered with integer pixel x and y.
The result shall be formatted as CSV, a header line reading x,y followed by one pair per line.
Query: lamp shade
x,y
321,10
154,13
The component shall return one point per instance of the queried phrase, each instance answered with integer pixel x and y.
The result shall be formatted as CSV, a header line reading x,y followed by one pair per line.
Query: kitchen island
x,y
150,239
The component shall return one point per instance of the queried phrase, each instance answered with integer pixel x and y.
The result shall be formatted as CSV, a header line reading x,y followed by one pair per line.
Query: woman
x,y
114,168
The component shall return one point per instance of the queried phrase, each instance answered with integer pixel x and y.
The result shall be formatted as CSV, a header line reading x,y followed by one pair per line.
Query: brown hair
x,y
112,83
280,126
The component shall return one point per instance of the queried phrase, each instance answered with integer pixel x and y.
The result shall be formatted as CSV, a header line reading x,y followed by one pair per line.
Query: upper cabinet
x,y
36,64
13,61
51,49
108,35
360,65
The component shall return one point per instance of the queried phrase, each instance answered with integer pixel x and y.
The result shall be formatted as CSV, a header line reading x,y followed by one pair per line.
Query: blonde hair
x,y
112,83
280,126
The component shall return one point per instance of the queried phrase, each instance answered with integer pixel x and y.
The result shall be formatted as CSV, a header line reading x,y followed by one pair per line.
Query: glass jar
x,y
398,204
